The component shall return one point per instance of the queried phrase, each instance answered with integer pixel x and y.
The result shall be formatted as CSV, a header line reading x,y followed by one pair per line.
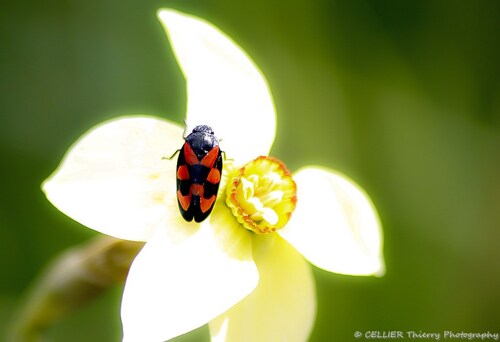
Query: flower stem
x,y
73,279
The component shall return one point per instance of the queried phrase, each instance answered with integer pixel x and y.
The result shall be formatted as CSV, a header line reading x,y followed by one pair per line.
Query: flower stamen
x,y
262,195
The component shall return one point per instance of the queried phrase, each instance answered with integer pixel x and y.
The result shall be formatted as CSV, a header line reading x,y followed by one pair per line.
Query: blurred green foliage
x,y
404,97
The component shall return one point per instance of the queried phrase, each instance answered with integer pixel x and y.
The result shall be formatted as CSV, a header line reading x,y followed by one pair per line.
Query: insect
x,y
199,168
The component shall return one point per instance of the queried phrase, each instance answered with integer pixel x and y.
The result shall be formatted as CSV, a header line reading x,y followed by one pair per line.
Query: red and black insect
x,y
199,169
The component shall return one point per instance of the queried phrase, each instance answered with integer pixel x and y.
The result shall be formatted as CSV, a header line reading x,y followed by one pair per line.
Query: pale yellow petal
x,y
225,88
281,308
116,178
335,225
186,275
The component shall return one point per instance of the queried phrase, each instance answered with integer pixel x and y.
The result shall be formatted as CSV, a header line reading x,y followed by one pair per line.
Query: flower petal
x,y
281,308
116,178
225,88
185,276
335,225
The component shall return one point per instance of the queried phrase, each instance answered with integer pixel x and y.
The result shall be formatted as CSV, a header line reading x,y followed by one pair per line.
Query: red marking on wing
x,y
189,155
213,176
197,190
206,203
184,201
210,158
183,172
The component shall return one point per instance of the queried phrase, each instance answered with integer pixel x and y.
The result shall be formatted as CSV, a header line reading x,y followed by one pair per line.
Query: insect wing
x,y
212,177
184,183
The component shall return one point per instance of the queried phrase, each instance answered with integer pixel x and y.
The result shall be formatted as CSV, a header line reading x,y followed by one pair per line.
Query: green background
x,y
402,96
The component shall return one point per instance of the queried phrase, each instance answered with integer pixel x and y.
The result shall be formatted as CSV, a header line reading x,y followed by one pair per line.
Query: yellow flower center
x,y
262,195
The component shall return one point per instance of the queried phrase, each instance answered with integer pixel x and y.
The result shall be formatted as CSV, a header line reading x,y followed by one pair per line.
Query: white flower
x,y
248,286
